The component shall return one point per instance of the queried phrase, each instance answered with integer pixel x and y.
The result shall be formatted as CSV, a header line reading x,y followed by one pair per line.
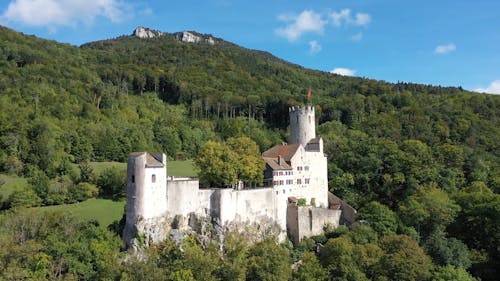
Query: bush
x,y
25,197
112,183
83,191
301,202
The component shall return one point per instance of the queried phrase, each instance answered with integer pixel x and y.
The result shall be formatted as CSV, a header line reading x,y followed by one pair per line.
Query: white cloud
x,y
493,88
345,17
52,13
342,16
314,47
344,71
362,19
307,21
445,49
357,37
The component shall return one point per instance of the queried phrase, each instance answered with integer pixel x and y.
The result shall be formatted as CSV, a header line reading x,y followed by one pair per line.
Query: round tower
x,y
146,190
302,125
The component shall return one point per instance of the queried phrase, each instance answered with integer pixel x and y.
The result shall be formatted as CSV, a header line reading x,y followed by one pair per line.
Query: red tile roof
x,y
287,151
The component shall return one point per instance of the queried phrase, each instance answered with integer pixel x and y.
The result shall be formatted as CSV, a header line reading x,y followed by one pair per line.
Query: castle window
x,y
153,178
132,179
309,119
306,181
299,181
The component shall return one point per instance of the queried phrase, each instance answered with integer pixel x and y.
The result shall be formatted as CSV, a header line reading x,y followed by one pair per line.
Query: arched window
x,y
153,178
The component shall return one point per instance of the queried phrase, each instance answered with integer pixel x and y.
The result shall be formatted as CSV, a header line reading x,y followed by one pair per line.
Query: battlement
x,y
301,109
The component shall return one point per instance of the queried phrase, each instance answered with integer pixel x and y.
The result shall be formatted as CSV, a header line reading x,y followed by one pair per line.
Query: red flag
x,y
309,94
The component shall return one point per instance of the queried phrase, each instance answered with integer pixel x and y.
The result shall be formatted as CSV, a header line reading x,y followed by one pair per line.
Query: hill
x,y
63,104
418,160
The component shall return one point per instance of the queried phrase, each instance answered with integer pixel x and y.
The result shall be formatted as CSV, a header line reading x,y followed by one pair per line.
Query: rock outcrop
x,y
144,32
189,37
185,36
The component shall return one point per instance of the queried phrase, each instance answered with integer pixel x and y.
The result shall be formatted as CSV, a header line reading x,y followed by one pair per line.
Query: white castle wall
x,y
246,205
182,196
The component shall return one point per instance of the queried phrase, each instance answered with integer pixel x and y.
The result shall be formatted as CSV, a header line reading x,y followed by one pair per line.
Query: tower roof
x,y
152,160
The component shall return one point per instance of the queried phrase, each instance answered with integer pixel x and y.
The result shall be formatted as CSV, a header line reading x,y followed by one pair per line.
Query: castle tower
x,y
146,191
302,125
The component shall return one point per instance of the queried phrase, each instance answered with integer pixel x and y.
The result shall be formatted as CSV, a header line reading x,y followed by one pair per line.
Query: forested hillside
x,y
416,160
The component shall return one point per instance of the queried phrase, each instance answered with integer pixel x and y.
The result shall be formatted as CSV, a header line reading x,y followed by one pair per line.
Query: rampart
x,y
307,221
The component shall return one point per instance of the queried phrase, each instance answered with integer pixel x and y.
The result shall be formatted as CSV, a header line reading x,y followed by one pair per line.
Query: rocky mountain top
x,y
184,36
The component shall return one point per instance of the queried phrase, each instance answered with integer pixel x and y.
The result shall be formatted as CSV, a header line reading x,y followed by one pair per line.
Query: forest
x,y
421,163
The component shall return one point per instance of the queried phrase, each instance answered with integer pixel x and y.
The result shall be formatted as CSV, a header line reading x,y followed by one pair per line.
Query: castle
x,y
294,200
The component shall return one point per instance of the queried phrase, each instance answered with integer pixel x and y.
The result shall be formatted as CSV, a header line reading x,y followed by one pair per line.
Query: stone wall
x,y
249,205
307,221
182,196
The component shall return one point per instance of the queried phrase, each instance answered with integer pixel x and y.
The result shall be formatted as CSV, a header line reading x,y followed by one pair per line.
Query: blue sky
x,y
440,42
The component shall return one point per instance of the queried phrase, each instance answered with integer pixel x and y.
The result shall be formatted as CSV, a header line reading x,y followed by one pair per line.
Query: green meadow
x,y
102,210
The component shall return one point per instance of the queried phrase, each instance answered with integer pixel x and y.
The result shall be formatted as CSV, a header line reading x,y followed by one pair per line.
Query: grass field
x,y
10,183
102,210
98,167
181,168
174,168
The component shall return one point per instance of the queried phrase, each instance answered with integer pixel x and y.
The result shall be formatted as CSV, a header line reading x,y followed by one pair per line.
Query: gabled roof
x,y
279,156
275,165
315,140
287,151
152,160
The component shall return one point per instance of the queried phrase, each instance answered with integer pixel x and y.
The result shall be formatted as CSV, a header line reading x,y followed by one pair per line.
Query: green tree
x,y
310,269
112,183
447,251
249,162
428,210
337,257
83,191
40,184
215,165
382,219
235,253
24,197
451,273
268,261
403,259
86,172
